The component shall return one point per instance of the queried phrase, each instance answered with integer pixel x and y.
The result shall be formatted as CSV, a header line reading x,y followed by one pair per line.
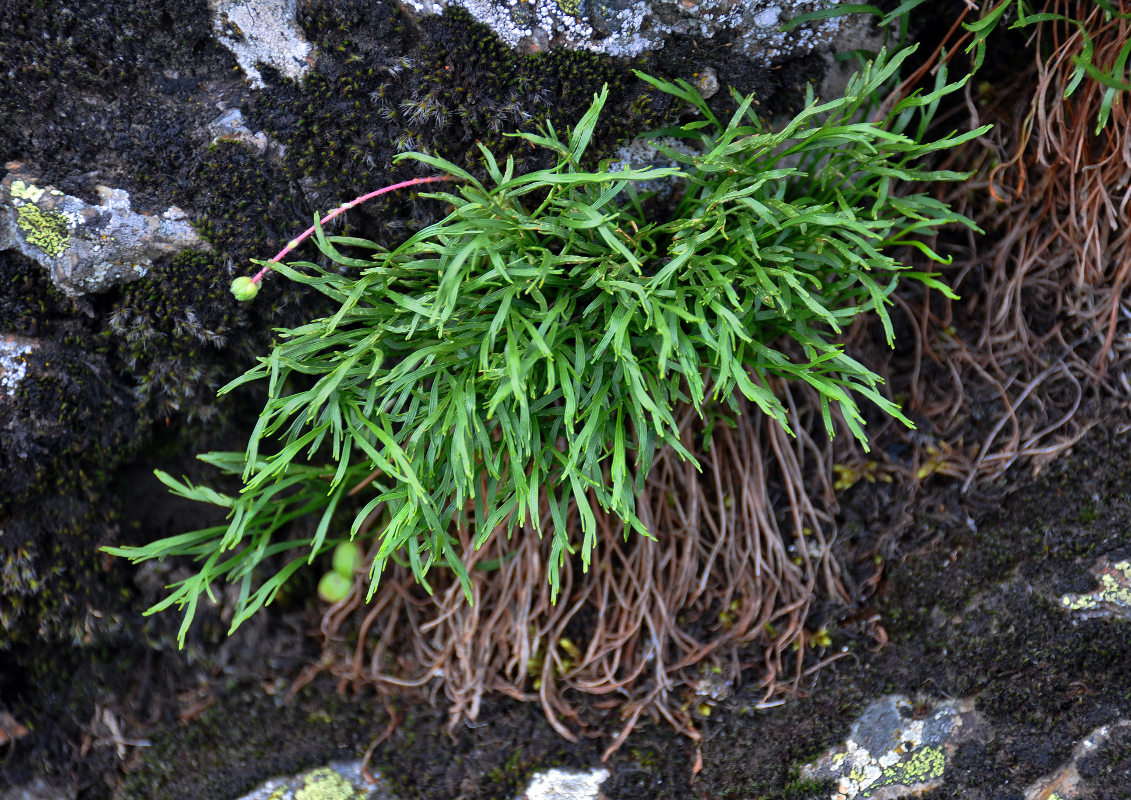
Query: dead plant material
x,y
1044,326
741,555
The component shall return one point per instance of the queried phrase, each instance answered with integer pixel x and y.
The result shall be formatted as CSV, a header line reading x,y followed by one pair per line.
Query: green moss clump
x,y
247,737
30,305
88,82
169,329
53,585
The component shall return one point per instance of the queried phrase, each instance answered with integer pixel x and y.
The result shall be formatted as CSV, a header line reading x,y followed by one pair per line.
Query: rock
x,y
344,781
86,248
229,126
1111,599
631,27
338,781
1068,783
560,784
262,31
896,748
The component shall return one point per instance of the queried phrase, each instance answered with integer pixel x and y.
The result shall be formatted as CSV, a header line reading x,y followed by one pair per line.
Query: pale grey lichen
x,y
262,31
560,784
631,27
13,363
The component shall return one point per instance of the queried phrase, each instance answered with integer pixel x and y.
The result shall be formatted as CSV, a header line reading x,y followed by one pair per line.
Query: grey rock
x,y
896,748
631,27
262,31
229,125
87,248
338,781
1067,783
1112,598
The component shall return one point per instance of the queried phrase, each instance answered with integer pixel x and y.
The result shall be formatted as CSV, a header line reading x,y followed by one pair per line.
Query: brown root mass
x,y
652,627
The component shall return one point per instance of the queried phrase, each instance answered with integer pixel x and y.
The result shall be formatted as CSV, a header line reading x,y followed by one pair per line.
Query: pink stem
x,y
293,243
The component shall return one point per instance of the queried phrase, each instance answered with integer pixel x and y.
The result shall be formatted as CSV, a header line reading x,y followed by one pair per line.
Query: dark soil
x,y
968,599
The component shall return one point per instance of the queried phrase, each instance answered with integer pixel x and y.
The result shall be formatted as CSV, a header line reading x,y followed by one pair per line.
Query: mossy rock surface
x,y
123,382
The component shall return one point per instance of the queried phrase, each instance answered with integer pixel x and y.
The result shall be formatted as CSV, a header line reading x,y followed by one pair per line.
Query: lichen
x,y
1113,594
26,191
923,766
326,784
46,230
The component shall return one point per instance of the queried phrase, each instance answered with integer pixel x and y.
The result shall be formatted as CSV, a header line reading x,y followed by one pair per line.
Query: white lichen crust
x,y
631,27
14,351
262,31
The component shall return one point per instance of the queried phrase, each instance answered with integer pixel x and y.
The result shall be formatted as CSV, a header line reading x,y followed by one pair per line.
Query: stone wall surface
x,y
151,148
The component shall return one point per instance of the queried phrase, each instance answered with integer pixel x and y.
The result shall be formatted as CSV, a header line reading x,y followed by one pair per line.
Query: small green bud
x,y
334,587
347,555
244,288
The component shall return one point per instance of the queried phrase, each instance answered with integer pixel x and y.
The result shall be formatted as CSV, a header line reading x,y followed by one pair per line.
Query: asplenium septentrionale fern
x,y
522,359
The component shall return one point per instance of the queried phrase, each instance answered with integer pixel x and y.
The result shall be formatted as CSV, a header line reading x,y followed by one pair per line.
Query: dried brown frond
x,y
1044,326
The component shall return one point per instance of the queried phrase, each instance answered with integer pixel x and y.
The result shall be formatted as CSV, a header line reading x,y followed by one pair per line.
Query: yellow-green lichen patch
x,y
326,784
26,191
1113,597
46,230
922,767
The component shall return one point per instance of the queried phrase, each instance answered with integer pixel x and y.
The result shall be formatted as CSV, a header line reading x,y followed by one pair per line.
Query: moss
x,y
385,86
30,305
469,762
67,428
68,425
88,83
54,588
170,330
246,737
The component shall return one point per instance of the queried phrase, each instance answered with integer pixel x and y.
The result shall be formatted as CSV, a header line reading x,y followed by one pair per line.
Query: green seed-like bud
x,y
244,289
334,587
347,555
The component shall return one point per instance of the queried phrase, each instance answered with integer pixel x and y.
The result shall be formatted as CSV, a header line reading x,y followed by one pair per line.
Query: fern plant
x,y
524,356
